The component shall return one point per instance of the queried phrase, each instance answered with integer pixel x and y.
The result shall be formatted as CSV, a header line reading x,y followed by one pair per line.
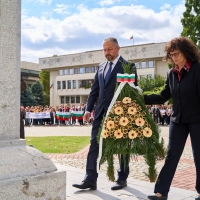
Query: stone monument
x,y
25,173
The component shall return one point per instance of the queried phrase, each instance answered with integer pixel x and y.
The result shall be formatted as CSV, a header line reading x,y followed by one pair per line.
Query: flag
x,y
51,86
131,38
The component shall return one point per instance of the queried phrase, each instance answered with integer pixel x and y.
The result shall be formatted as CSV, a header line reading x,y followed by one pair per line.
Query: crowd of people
x,y
54,120
160,113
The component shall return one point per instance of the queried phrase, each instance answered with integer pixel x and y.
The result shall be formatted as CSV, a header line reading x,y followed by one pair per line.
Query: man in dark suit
x,y
156,113
103,90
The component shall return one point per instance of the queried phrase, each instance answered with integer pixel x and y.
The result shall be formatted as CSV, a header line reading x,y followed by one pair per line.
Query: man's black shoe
x,y
119,185
154,197
197,198
86,185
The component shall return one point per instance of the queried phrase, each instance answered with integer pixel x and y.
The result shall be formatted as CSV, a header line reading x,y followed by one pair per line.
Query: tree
x,y
149,84
45,81
27,98
191,21
38,93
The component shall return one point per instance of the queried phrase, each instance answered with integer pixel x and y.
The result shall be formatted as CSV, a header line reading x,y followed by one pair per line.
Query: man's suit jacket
x,y
104,93
156,112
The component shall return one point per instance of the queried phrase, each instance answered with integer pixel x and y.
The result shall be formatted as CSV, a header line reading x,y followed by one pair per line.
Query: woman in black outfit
x,y
183,86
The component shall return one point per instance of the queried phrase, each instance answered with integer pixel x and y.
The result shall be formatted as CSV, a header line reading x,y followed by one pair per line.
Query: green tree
x,y
45,81
191,21
27,98
151,84
38,93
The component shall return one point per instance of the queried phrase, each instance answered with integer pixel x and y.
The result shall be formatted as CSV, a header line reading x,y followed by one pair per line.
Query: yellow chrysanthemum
x,y
132,134
123,121
147,132
126,100
118,134
132,110
104,134
110,125
139,121
119,110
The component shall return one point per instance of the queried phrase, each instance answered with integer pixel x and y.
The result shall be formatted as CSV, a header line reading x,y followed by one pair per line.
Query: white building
x,y
71,75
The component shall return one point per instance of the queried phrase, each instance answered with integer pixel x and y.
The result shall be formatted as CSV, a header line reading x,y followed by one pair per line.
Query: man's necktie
x,y
108,73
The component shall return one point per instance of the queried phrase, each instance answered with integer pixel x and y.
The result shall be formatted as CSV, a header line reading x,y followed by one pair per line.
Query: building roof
x,y
134,53
30,66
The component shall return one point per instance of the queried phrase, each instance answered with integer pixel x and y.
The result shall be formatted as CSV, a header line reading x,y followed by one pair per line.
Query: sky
x,y
60,27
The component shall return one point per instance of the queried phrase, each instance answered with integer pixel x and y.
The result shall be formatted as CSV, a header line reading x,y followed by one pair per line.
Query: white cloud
x,y
108,2
85,30
61,9
44,1
165,6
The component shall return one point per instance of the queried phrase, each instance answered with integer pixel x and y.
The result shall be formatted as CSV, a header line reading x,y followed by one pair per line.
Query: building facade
x,y
29,72
72,75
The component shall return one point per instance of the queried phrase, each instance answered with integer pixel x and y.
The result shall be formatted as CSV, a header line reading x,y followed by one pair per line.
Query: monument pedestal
x,y
26,173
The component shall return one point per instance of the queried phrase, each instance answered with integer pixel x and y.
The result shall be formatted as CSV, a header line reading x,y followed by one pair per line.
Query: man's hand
x,y
86,116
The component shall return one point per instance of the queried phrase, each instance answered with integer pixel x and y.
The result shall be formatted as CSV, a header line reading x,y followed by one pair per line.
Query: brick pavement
x,y
185,175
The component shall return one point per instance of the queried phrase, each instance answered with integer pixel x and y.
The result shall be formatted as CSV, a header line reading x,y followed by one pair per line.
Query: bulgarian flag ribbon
x,y
125,78
63,115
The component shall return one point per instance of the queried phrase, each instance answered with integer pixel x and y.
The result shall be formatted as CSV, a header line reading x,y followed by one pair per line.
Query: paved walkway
x,y
184,177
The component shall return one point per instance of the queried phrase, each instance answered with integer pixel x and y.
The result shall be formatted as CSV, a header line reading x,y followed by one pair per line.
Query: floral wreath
x,y
128,128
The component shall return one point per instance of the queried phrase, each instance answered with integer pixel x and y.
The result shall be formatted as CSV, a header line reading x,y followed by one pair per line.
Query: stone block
x,y
46,186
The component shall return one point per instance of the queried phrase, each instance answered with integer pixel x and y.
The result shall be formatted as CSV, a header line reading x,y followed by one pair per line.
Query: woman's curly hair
x,y
185,46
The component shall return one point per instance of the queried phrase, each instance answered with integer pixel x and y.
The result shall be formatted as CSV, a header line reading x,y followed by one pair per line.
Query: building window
x,y
150,76
66,72
60,72
71,71
87,70
144,64
82,70
77,99
72,99
74,84
63,84
151,64
93,69
69,86
137,65
76,70
67,99
142,77
25,77
58,85
86,83
62,100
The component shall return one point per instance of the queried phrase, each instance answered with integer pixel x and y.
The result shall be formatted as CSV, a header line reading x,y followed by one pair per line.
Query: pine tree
x,y
27,98
45,81
38,93
191,21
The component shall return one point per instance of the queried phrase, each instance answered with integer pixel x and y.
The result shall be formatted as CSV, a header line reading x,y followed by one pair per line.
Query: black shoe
x,y
154,197
197,198
119,185
86,185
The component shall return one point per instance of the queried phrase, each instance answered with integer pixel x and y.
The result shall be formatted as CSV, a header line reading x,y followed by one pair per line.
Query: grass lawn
x,y
58,144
